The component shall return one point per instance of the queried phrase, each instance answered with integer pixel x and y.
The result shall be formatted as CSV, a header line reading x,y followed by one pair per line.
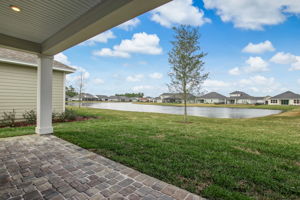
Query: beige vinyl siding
x,y
18,89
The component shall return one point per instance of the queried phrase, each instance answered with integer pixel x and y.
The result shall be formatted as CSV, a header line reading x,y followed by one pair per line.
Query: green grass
x,y
10,132
251,106
217,158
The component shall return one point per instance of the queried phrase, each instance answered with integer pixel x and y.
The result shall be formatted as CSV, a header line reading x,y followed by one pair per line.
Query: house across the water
x,y
85,97
102,97
286,98
212,97
175,98
239,97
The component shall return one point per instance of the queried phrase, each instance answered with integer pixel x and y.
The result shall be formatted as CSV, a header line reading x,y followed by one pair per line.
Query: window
x,y
273,101
284,102
297,101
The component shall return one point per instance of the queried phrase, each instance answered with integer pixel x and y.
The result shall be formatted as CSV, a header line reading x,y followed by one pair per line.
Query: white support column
x,y
44,95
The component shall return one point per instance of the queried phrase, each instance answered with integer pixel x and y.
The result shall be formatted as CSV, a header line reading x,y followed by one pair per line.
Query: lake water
x,y
211,112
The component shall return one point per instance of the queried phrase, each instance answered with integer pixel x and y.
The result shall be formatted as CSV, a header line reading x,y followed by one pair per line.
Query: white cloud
x,y
258,80
235,71
135,78
140,43
80,70
261,84
179,12
253,14
98,81
215,84
60,57
245,82
283,58
125,64
72,78
129,25
256,64
141,88
295,66
156,75
142,63
287,59
254,89
75,77
111,53
298,80
101,38
259,48
252,65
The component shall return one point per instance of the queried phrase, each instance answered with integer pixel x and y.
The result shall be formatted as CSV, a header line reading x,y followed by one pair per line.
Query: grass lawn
x,y
215,158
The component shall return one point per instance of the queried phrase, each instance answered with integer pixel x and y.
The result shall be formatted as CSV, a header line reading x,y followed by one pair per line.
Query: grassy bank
x,y
251,106
216,158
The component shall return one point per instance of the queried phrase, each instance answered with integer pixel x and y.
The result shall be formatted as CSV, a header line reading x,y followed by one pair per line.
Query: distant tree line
x,y
131,94
70,91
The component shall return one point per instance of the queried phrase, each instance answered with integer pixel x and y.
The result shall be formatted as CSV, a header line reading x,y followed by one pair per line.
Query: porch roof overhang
x,y
50,27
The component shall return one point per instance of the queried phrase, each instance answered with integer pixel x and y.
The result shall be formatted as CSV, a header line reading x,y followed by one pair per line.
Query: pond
x,y
212,112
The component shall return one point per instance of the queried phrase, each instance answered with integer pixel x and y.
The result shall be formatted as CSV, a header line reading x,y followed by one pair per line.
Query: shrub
x,y
69,114
258,104
9,119
54,116
30,117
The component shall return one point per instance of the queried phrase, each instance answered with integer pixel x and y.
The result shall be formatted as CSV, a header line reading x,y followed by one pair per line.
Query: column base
x,y
43,131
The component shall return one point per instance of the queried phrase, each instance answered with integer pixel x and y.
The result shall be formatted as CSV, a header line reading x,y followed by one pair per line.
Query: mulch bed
x,y
24,124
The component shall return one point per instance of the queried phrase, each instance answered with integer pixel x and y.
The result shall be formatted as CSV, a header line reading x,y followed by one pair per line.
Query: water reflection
x,y
212,112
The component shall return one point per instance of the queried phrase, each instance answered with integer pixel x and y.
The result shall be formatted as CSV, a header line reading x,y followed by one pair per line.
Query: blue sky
x,y
252,45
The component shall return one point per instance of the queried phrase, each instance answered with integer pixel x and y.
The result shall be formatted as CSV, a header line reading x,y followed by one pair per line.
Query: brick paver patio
x,y
46,167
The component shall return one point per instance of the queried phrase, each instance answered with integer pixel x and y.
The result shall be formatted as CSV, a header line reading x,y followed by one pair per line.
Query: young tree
x,y
81,85
187,67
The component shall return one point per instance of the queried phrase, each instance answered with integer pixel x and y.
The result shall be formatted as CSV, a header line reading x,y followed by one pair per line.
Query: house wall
x,y
245,101
270,103
261,101
18,89
291,102
211,101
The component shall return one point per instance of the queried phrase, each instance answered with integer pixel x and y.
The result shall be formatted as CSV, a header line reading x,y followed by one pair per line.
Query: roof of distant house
x,y
166,94
213,95
243,95
176,95
101,96
86,95
114,97
28,59
287,95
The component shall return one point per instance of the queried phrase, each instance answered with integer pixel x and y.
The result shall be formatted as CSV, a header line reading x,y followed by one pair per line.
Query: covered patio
x,y
47,28
35,167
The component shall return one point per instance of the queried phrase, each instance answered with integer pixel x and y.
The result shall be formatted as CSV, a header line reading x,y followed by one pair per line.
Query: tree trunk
x,y
185,107
80,97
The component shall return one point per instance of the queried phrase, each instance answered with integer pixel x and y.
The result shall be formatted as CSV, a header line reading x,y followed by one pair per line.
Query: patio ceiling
x,y
49,27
